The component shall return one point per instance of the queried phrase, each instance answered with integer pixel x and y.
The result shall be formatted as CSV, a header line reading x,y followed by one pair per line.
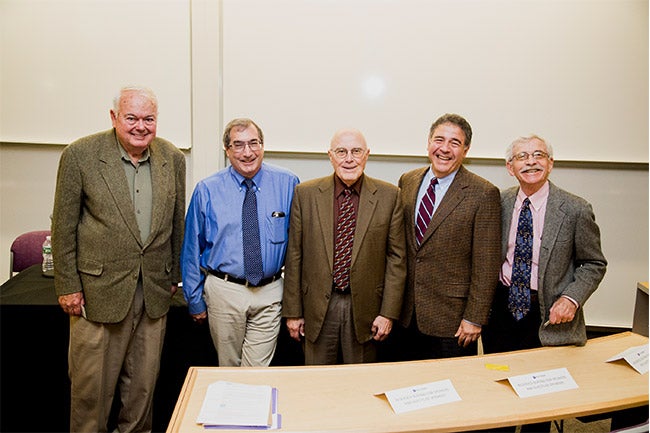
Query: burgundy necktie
x,y
344,240
425,212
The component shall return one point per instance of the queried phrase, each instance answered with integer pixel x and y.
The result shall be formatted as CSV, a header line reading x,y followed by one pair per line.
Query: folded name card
x,y
421,396
636,356
543,382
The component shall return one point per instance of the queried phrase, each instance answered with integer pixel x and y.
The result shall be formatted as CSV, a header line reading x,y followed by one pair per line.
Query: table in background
x,y
35,388
341,398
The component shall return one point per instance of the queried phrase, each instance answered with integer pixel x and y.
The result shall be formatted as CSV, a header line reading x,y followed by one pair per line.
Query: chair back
x,y
27,250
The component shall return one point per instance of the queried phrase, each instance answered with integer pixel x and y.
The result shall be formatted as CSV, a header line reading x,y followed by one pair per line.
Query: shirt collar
x,y
239,179
444,182
339,186
537,199
127,158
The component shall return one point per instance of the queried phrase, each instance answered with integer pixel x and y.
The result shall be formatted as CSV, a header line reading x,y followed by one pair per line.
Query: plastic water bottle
x,y
48,261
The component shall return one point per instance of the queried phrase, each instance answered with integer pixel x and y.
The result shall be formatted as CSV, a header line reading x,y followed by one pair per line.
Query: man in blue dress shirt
x,y
221,282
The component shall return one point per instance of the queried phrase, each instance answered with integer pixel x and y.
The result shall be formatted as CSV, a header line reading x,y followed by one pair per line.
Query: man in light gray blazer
x,y
117,235
567,261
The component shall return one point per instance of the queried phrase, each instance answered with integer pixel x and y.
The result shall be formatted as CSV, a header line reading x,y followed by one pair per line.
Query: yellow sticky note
x,y
498,367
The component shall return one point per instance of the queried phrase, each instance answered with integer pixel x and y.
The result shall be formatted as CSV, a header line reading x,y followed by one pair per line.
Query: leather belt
x,y
243,281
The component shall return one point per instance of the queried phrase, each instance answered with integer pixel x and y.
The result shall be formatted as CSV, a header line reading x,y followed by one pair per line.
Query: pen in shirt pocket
x,y
277,214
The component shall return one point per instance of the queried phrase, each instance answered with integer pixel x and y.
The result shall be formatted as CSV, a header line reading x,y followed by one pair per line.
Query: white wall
x,y
618,191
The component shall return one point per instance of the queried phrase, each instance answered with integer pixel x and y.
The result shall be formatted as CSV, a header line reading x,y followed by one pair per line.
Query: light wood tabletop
x,y
342,397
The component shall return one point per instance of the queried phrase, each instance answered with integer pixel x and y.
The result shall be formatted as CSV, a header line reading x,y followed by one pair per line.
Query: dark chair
x,y
27,250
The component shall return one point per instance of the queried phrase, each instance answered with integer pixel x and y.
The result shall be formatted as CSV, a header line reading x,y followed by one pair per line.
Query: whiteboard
x,y
63,61
572,71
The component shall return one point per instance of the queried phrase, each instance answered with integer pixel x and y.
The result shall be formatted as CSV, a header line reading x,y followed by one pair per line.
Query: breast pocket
x,y
276,228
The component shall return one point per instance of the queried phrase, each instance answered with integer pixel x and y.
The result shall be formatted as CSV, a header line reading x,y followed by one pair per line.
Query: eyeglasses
x,y
239,146
523,156
342,153
132,120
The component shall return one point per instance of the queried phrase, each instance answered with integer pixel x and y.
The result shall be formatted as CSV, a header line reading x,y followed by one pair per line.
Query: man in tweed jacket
x,y
567,263
452,272
117,234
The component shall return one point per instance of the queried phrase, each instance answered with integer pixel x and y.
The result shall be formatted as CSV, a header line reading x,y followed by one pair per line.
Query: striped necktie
x,y
344,240
425,212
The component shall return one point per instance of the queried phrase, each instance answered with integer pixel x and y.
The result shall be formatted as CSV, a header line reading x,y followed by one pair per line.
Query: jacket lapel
x,y
453,197
367,205
112,172
552,223
325,216
160,185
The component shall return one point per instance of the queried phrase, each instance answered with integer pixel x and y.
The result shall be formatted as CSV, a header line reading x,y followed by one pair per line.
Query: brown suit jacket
x,y
96,240
452,275
378,256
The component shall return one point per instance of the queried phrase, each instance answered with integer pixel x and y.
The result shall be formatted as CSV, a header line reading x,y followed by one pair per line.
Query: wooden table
x,y
341,398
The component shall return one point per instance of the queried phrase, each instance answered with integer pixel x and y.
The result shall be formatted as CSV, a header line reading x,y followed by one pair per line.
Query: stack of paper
x,y
231,405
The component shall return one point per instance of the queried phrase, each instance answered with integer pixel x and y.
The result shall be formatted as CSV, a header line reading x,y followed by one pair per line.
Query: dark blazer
x,y
96,240
571,261
452,275
378,261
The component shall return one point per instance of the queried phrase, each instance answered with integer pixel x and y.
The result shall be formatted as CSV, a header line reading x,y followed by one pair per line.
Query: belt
x,y
243,281
345,291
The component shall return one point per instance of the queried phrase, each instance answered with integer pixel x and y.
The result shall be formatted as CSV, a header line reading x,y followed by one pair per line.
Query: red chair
x,y
27,250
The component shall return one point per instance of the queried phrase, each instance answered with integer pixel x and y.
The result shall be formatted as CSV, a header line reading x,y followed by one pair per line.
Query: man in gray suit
x,y
453,258
567,261
117,234
344,303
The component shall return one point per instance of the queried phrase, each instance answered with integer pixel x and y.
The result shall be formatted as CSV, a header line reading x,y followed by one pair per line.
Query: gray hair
x,y
145,91
526,139
242,123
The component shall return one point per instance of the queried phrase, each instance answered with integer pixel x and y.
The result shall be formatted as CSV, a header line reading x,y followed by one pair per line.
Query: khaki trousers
x,y
244,321
103,356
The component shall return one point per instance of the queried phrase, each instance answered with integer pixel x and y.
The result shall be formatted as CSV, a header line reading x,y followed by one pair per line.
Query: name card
x,y
636,356
543,382
421,396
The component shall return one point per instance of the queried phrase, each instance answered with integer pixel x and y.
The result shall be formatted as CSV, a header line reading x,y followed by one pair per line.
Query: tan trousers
x,y
244,321
104,356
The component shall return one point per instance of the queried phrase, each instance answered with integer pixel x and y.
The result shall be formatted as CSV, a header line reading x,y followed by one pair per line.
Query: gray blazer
x,y
96,240
571,261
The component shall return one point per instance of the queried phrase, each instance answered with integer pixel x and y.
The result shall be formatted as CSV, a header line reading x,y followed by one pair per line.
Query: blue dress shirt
x,y
213,227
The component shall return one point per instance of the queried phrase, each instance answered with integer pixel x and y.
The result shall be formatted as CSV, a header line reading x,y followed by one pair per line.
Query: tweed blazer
x,y
452,275
571,261
378,256
96,240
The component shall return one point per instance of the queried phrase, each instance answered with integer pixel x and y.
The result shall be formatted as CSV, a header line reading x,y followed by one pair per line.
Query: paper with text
x,y
636,356
236,404
543,382
421,396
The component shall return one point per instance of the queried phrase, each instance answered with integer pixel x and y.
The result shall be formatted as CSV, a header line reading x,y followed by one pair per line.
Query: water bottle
x,y
48,261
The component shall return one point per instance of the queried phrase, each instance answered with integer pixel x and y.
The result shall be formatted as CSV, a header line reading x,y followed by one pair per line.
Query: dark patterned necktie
x,y
344,240
253,270
519,296
425,212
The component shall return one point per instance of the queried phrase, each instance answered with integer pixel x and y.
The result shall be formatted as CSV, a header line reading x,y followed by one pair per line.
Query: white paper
x,y
636,356
543,382
421,396
236,404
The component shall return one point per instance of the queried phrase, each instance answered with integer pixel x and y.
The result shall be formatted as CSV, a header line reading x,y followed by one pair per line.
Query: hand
x,y
381,327
296,328
72,303
467,333
562,311
174,289
200,317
